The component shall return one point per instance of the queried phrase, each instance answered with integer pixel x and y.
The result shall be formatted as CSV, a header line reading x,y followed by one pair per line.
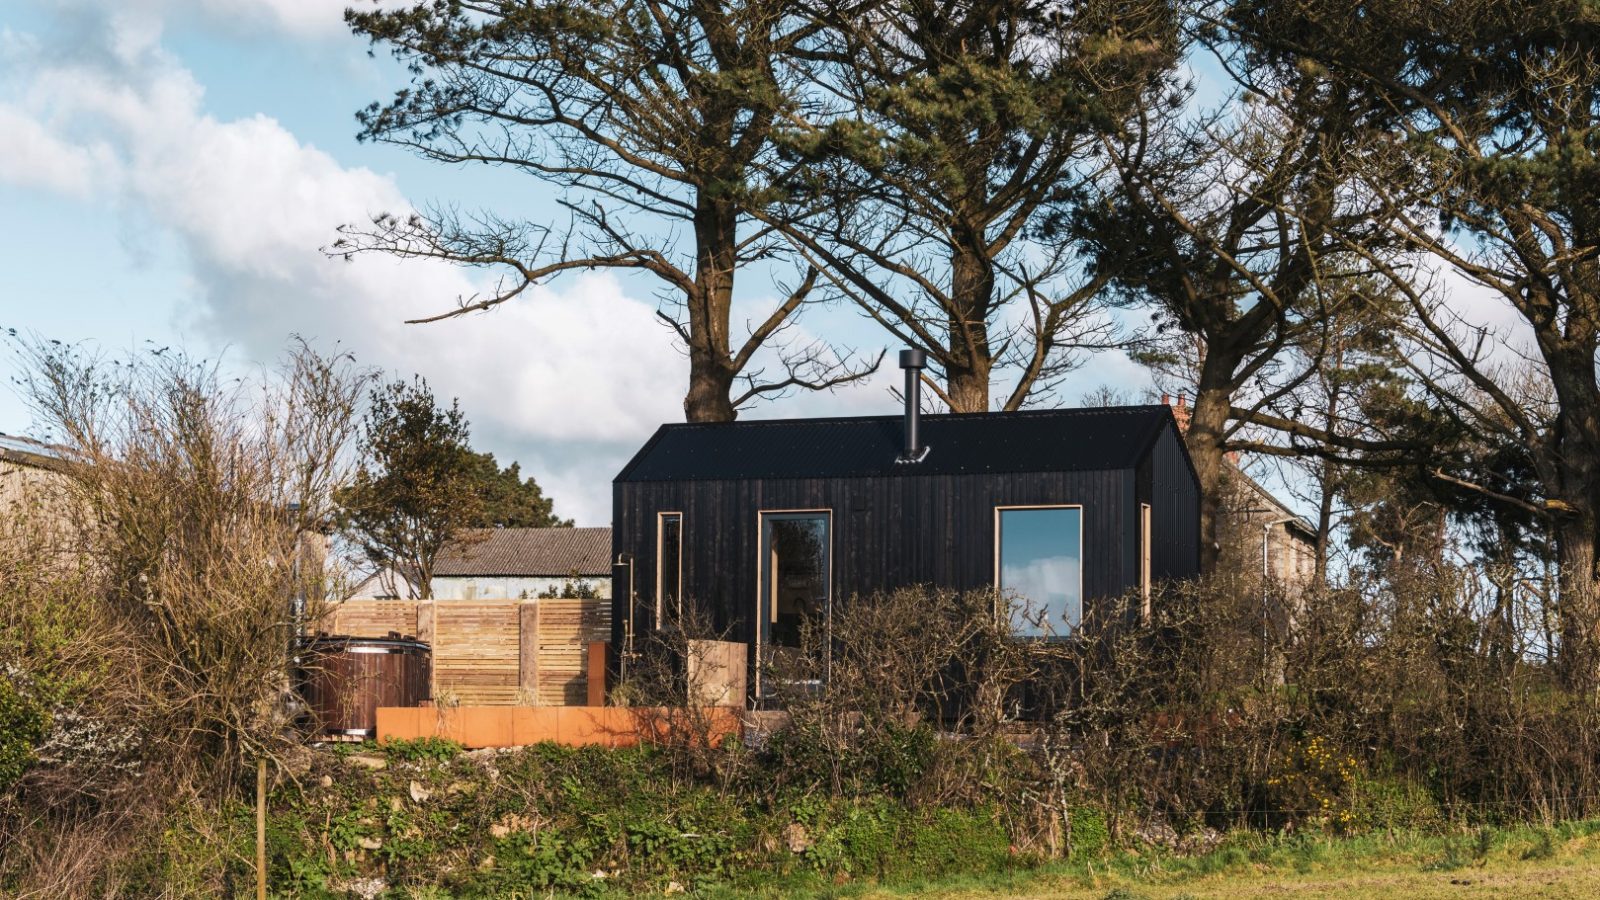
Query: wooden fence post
x,y
425,622
426,628
528,650
597,673
261,828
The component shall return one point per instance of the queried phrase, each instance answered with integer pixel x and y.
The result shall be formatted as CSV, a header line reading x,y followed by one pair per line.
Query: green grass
x,y
1527,861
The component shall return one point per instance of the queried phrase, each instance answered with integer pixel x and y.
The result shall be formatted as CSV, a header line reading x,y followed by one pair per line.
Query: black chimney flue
x,y
913,361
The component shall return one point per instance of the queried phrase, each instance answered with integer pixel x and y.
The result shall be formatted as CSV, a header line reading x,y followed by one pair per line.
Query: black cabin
x,y
759,524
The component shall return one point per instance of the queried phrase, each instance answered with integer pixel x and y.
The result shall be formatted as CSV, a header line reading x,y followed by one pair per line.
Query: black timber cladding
x,y
901,524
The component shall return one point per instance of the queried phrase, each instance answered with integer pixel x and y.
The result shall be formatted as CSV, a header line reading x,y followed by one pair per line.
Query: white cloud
x,y
31,156
294,18
569,380
302,17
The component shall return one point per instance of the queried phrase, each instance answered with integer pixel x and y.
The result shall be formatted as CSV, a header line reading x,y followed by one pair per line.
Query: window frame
x,y
999,588
1146,535
758,621
661,533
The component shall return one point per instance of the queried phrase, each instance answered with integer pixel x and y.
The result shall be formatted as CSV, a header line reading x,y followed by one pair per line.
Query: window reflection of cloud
x,y
1045,585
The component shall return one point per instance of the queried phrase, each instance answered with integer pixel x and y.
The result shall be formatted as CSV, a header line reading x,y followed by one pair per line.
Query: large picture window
x,y
669,567
1039,568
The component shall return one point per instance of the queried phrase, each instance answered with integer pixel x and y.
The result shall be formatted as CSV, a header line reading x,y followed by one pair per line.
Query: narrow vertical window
x,y
1039,568
669,567
1144,561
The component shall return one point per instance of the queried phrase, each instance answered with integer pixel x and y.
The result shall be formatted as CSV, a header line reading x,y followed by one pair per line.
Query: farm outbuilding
x,y
507,563
757,525
489,563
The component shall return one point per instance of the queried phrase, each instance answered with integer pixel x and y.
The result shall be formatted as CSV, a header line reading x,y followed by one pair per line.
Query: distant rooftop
x,y
27,451
548,552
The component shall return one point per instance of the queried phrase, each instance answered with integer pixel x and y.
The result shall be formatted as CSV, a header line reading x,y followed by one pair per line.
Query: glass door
x,y
795,589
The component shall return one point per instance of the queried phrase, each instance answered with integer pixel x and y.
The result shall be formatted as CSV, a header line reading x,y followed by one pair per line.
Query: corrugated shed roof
x,y
31,452
1033,441
551,552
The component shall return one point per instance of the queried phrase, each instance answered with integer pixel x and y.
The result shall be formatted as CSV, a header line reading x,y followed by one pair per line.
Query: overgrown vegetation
x,y
145,666
146,621
1144,754
947,169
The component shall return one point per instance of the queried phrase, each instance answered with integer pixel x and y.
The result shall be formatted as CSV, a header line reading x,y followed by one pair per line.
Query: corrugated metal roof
x,y
28,451
551,552
29,445
1033,441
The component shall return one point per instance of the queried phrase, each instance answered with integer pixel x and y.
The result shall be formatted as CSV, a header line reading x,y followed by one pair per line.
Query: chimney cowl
x,y
913,361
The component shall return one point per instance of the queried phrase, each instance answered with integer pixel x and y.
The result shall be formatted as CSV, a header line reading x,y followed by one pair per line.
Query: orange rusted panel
x,y
531,725
513,726
486,726
597,673
399,723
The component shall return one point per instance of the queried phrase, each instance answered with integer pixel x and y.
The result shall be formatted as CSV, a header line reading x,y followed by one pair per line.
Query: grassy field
x,y
1563,861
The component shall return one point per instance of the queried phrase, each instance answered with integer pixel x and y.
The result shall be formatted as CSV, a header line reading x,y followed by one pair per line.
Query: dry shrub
x,y
1382,693
671,677
188,494
871,697
1385,702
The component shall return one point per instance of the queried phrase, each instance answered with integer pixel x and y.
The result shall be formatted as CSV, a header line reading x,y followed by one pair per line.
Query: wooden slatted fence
x,y
566,627
491,652
372,618
476,653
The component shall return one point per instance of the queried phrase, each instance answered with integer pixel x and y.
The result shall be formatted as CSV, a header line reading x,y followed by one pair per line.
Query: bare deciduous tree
x,y
655,119
191,493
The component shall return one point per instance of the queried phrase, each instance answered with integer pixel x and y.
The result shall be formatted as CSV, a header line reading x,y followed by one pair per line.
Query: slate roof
x,y
1298,523
550,552
1053,440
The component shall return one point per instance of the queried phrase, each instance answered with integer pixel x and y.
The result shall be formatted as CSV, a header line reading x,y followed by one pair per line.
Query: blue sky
x,y
169,170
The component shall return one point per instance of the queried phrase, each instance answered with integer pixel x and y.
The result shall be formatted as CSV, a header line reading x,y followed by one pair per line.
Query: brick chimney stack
x,y
1180,411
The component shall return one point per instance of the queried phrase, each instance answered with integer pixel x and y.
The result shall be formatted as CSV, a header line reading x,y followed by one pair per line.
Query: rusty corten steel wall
x,y
344,680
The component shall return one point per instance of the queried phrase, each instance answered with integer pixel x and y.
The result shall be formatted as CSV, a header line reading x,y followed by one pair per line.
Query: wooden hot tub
x,y
345,679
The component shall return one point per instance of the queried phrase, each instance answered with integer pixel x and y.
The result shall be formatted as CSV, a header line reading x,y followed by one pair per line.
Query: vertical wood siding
x,y
1175,510
887,532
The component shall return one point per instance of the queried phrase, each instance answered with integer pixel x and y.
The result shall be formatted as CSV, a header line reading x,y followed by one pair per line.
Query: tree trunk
x,y
1319,573
969,364
1570,466
1206,440
1579,655
711,371
968,386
